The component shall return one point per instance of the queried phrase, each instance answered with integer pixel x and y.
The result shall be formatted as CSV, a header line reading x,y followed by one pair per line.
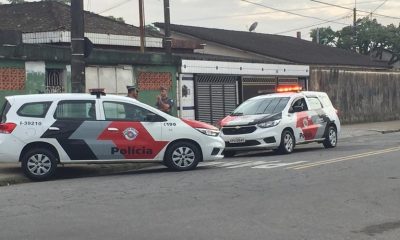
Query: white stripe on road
x,y
252,164
276,165
228,164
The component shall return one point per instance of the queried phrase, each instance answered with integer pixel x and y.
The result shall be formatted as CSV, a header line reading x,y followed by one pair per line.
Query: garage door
x,y
216,97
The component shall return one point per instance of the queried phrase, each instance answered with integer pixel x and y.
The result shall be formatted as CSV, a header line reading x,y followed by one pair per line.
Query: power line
x,y
114,6
379,6
333,5
314,25
288,12
263,13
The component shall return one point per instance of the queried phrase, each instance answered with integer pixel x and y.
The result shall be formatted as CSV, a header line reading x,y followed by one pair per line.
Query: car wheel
x,y
287,142
182,156
331,138
39,164
229,153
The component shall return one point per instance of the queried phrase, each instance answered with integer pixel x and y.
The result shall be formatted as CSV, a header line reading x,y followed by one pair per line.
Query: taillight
x,y
7,128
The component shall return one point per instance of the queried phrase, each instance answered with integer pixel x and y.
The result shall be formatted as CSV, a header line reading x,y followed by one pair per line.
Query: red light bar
x,y
288,88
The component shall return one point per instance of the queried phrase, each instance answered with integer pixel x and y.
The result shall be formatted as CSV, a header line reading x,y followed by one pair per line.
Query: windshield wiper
x,y
237,114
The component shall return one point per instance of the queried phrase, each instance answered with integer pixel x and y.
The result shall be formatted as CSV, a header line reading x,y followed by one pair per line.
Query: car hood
x,y
248,119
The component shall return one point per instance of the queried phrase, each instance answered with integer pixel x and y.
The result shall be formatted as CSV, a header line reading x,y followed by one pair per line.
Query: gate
x,y
215,97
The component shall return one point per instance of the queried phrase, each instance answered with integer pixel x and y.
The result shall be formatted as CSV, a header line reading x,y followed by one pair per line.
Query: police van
x,y
280,121
42,131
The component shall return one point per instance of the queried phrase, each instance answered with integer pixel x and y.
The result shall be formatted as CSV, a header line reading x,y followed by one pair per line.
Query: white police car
x,y
279,121
44,130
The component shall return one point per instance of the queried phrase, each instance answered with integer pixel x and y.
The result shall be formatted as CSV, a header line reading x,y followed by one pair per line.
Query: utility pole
x,y
142,26
77,47
355,25
167,28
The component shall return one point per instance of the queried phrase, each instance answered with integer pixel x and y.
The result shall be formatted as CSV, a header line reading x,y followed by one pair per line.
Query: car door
x,y
305,128
76,129
318,116
131,132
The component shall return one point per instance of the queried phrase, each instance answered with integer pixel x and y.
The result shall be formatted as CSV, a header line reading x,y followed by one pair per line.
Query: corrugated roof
x,y
281,47
54,16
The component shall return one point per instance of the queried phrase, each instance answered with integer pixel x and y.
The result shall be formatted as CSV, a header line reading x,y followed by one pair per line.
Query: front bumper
x,y
261,138
212,150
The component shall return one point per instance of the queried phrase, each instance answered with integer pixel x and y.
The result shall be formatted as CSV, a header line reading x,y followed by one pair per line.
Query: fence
x,y
360,95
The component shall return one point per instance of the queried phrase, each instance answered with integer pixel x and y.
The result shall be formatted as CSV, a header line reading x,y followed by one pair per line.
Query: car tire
x,y
331,138
182,156
287,142
229,153
39,164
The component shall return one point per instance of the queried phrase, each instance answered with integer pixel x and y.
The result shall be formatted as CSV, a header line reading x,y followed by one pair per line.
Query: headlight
x,y
208,132
269,123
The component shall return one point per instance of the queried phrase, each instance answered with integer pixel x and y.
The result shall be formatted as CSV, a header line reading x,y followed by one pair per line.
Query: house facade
x,y
362,89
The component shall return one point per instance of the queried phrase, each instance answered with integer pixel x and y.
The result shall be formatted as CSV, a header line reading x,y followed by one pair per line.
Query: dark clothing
x,y
168,101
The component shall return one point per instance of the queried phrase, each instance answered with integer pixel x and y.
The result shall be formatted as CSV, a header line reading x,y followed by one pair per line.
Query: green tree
x,y
15,1
326,36
119,19
61,1
22,1
368,35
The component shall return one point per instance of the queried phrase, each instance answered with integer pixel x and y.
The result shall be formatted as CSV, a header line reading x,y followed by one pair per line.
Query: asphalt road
x,y
350,192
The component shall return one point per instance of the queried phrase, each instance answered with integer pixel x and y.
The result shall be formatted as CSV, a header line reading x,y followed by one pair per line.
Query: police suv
x,y
279,121
42,131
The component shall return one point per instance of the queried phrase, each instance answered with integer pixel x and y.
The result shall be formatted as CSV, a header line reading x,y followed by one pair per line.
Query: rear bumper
x,y
10,148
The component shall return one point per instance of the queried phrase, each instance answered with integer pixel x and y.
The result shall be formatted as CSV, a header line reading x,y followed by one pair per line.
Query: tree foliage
x,y
15,1
367,36
119,19
22,1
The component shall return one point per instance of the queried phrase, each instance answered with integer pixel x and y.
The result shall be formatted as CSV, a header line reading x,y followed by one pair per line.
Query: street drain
x,y
380,228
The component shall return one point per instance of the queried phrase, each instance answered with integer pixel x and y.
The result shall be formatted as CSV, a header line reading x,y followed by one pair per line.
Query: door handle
x,y
113,129
54,129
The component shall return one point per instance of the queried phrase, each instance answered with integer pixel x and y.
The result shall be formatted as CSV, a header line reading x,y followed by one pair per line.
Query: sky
x,y
284,17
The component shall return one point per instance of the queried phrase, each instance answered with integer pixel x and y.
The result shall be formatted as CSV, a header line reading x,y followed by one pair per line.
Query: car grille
x,y
238,130
248,143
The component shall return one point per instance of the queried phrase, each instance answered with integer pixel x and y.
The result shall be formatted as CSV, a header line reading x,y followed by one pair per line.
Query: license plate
x,y
237,140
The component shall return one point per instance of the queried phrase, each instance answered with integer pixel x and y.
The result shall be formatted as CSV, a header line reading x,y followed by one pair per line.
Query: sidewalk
x,y
365,129
12,174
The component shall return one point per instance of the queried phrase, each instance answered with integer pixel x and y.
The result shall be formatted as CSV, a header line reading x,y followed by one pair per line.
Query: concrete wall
x,y
360,95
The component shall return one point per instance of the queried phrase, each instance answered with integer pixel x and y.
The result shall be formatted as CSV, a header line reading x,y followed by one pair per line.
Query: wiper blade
x,y
237,114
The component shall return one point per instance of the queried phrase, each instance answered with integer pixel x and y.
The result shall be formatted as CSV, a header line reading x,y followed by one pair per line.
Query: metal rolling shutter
x,y
216,97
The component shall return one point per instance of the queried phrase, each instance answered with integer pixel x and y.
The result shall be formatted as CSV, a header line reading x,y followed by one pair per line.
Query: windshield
x,y
261,106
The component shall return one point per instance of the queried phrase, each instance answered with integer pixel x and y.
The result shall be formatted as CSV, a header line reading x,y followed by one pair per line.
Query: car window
x,y
4,111
262,106
326,102
76,109
314,103
125,112
36,109
301,102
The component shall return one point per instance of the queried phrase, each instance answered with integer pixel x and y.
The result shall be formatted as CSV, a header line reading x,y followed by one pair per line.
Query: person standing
x,y
164,103
133,92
